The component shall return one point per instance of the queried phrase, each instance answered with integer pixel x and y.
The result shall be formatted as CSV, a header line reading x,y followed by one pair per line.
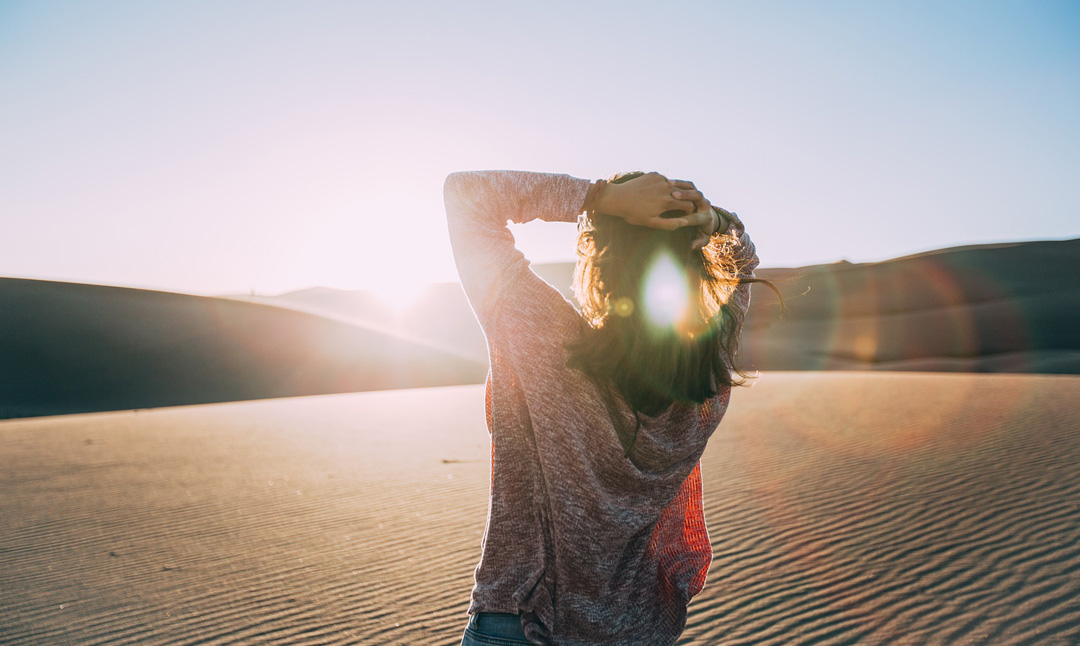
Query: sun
x,y
401,293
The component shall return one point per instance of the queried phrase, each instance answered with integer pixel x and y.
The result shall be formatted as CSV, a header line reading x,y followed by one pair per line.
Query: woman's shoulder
x,y
532,314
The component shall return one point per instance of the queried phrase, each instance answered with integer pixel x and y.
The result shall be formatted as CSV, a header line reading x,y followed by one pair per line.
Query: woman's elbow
x,y
455,183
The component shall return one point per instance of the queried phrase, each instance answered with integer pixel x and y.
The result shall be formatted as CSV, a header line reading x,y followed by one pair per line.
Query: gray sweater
x,y
587,545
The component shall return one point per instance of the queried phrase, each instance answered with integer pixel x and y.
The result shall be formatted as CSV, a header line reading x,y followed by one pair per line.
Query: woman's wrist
x,y
714,226
723,223
593,197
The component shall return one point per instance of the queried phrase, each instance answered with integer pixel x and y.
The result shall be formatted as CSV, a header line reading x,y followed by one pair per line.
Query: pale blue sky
x,y
215,147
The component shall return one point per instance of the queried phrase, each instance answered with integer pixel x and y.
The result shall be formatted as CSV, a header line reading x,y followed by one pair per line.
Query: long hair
x,y
661,328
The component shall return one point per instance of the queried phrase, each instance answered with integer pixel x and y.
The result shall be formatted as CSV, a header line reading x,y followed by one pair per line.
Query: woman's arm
x,y
478,206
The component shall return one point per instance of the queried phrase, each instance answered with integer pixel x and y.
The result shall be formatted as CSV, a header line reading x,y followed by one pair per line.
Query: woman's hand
x,y
640,202
701,206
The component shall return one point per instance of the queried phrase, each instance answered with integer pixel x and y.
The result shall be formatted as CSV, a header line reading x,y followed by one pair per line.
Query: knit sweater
x,y
587,545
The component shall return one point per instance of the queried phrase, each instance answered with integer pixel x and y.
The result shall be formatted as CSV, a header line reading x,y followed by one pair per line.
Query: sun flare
x,y
400,295
667,296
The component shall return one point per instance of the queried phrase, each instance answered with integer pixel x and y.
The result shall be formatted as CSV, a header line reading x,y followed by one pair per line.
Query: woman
x,y
595,532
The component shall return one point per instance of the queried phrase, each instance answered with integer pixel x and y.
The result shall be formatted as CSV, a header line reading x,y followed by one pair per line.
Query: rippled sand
x,y
844,508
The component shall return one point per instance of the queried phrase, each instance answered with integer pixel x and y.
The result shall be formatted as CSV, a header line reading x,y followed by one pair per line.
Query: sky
x,y
229,147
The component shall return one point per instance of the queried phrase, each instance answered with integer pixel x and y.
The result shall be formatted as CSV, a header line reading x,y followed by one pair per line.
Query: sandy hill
x,y
68,348
439,316
1011,307
988,308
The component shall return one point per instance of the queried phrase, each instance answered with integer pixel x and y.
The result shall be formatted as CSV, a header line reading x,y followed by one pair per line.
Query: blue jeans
x,y
494,629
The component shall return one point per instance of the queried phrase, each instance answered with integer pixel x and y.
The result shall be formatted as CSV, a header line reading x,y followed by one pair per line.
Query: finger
x,y
668,224
669,203
703,218
690,195
689,220
697,218
697,200
682,183
699,242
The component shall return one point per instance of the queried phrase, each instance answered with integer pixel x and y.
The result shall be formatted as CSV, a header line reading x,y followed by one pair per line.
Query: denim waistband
x,y
498,624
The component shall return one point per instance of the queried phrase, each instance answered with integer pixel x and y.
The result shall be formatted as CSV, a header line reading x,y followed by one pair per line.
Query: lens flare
x,y
666,293
623,307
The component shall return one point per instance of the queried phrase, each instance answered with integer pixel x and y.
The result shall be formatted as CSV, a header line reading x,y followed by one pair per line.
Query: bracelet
x,y
723,222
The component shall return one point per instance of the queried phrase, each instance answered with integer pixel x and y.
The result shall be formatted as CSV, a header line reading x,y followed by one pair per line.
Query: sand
x,y
844,508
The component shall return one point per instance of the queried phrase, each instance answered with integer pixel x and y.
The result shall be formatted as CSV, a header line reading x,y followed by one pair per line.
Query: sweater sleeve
x,y
478,206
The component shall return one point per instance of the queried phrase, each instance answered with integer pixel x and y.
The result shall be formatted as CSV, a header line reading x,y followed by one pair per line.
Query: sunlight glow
x,y
400,295
667,294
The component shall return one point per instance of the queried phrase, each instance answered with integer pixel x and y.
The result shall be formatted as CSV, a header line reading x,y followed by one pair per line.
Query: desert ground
x,y
843,508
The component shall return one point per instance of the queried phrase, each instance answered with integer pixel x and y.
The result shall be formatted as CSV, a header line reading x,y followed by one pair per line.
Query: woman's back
x,y
587,543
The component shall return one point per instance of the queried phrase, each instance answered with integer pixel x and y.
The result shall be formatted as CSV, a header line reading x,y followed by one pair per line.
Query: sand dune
x,y
1007,307
844,508
988,308
438,317
68,348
